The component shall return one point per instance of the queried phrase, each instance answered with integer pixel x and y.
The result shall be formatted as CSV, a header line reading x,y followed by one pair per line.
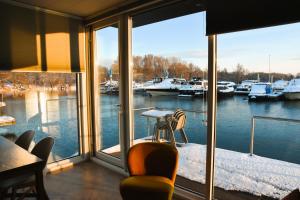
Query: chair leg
x,y
156,133
183,135
13,193
2,194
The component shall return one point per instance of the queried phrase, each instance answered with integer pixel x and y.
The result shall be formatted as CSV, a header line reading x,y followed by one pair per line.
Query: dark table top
x,y
14,160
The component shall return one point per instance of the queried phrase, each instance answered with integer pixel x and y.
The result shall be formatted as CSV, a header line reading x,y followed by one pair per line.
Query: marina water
x,y
56,115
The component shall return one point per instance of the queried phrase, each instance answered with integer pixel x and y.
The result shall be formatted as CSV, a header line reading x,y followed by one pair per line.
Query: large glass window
x,y
107,90
258,104
45,103
170,73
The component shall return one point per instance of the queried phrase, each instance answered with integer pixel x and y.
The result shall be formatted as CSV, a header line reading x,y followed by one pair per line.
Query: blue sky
x,y
184,37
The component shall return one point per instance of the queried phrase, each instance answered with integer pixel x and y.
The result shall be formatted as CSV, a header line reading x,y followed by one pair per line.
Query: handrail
x,y
66,99
254,117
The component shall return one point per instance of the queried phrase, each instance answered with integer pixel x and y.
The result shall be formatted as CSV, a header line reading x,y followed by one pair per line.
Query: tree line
x,y
147,67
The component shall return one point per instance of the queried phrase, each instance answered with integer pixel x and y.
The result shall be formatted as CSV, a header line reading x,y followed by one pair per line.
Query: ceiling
x,y
81,8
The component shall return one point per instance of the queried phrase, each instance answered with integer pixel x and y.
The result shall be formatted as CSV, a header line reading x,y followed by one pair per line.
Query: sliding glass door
x,y
106,91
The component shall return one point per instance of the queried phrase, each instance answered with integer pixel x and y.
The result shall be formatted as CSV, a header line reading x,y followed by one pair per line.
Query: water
x,y
55,114
273,139
49,114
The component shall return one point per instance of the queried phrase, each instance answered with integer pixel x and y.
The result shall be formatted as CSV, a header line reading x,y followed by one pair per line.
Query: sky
x,y
184,37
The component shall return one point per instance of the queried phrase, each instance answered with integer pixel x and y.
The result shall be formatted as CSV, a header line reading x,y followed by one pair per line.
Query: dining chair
x,y
42,150
25,139
152,168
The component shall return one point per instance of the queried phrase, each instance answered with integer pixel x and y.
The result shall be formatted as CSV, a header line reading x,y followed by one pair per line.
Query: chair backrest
x,y
25,139
153,159
180,119
43,148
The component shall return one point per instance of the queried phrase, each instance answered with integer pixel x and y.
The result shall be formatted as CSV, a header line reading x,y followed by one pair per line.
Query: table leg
x,y
41,192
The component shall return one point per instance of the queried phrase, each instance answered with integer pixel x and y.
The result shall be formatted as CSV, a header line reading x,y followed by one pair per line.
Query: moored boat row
x,y
255,90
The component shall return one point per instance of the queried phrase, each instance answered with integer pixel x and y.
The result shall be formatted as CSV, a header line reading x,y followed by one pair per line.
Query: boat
x,y
109,87
194,88
138,88
264,92
292,91
225,88
279,85
245,87
168,87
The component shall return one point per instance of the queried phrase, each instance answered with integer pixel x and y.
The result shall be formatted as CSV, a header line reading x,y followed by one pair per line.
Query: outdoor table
x,y
7,120
158,114
15,161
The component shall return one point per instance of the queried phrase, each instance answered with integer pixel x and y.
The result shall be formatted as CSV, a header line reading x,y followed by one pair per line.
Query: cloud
x,y
295,58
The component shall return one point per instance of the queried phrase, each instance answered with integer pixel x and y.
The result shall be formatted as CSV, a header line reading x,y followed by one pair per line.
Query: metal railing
x,y
266,118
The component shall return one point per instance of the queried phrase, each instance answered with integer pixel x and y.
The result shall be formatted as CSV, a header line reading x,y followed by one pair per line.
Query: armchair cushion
x,y
146,188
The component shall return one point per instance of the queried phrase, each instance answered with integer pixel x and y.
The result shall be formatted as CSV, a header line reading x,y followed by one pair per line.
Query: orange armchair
x,y
152,168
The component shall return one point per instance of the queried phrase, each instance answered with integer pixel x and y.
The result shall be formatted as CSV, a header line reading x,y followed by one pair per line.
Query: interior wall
x,y
32,40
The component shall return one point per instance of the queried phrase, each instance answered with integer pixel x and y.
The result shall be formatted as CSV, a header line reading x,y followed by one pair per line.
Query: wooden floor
x,y
85,181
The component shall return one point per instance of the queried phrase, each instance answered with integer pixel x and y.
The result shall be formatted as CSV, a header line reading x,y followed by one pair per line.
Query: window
x,y
260,64
45,103
106,84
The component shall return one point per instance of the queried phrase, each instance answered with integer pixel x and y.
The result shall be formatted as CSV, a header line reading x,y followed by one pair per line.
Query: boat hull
x,y
225,94
292,95
162,92
242,92
265,97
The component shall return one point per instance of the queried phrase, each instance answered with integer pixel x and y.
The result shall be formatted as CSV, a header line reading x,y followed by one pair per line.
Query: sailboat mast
x,y
269,68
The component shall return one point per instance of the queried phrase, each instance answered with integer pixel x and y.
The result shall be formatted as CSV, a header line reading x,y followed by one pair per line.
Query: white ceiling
x,y
81,8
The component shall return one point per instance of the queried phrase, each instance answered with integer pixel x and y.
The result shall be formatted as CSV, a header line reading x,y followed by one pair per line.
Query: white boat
x,y
245,87
193,89
138,88
292,91
263,92
168,87
279,85
109,87
225,88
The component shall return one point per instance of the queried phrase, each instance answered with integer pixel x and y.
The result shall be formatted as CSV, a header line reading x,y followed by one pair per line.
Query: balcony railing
x,y
255,117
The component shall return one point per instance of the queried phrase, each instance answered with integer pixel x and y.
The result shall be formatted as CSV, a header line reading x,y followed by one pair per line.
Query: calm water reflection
x,y
49,114
278,140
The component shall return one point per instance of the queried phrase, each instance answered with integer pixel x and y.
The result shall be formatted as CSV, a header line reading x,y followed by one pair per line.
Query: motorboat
x,y
168,87
245,87
225,88
109,87
292,91
264,92
138,88
279,85
194,88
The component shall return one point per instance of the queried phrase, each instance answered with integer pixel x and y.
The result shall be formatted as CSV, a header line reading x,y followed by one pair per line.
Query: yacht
x,y
279,85
245,87
225,88
194,88
168,87
292,91
109,87
264,92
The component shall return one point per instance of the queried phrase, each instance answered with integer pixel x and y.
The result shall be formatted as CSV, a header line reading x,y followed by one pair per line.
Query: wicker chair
x,y
172,123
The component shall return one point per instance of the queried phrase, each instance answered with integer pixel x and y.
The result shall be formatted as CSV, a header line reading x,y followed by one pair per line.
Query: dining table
x,y
16,161
158,115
